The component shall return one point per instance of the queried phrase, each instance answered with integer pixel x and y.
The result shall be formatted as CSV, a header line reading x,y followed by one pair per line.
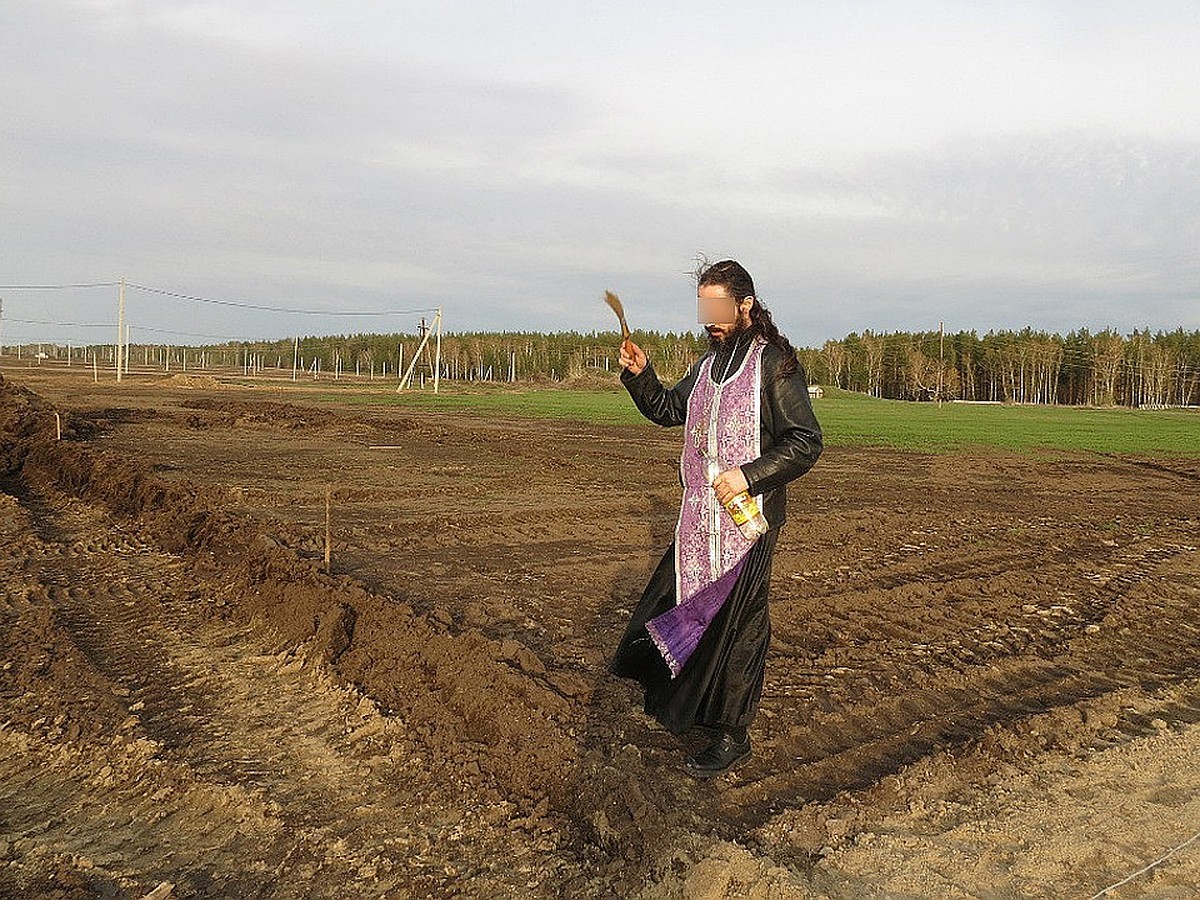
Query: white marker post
x,y
119,355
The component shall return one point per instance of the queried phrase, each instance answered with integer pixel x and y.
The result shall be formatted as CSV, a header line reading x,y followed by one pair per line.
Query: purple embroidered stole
x,y
723,421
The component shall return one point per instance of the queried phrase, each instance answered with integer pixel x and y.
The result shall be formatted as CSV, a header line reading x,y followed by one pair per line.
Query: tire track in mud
x,y
831,730
102,594
853,749
314,792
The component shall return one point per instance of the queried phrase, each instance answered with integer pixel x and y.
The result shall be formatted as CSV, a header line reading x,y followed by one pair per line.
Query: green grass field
x,y
855,419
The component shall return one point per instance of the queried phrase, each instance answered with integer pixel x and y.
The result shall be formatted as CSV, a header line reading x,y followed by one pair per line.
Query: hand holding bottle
x,y
729,484
739,504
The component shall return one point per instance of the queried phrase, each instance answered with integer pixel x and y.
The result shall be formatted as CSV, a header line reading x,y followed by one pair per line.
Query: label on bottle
x,y
742,508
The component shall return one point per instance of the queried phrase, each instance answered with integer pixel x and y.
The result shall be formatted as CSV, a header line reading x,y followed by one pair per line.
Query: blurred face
x,y
720,314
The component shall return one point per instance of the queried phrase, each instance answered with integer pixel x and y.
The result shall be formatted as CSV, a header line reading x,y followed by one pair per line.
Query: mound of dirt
x,y
25,422
491,719
280,415
192,382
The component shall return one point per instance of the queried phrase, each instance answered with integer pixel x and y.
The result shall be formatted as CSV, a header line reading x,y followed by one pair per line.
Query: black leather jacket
x,y
791,436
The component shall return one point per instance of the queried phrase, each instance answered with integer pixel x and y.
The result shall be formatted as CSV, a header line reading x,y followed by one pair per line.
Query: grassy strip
x,y
854,419
605,407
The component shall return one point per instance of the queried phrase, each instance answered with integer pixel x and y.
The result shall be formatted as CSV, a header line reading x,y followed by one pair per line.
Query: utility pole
x,y
406,378
120,355
295,357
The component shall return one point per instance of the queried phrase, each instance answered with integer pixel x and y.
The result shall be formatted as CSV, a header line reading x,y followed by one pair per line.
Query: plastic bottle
x,y
742,509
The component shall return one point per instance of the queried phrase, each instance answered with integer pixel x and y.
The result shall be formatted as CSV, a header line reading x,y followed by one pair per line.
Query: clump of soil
x,y
279,415
192,382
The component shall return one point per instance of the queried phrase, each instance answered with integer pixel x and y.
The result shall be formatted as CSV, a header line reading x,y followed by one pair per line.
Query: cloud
x,y
1058,231
882,172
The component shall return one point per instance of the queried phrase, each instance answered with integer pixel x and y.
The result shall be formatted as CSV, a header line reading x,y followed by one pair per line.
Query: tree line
x,y
1101,369
1081,368
474,356
1104,368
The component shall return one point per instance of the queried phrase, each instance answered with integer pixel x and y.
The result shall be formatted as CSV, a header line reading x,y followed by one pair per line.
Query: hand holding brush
x,y
632,357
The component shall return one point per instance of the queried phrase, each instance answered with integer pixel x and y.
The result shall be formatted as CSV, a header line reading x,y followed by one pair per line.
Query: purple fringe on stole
x,y
677,632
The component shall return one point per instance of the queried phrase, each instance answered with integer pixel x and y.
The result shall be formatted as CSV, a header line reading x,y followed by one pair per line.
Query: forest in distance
x,y
1141,369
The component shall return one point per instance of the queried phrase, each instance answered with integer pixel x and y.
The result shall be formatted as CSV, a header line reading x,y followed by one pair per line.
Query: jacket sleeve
x,y
794,431
661,405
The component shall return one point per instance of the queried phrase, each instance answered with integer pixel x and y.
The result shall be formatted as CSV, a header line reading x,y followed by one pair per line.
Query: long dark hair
x,y
737,282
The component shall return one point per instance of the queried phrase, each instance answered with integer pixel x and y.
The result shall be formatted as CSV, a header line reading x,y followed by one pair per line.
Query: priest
x,y
697,640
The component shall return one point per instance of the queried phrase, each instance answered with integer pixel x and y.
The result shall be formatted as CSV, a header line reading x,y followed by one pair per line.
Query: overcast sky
x,y
879,165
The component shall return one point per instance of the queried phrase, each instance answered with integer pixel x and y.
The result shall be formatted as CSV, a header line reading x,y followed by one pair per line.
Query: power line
x,y
63,324
55,287
201,334
240,304
148,328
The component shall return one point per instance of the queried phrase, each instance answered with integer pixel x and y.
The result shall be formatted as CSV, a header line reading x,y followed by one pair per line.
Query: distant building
x,y
816,391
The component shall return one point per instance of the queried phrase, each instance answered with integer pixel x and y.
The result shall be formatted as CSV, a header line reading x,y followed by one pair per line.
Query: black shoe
x,y
720,756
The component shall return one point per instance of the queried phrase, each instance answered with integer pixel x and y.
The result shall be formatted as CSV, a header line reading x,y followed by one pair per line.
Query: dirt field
x,y
984,679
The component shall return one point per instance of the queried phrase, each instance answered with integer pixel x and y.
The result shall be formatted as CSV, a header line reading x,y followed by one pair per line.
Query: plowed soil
x,y
984,678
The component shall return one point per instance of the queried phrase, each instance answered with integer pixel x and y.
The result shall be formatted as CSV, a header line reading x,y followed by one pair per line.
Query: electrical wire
x,y
241,304
201,334
56,287
62,324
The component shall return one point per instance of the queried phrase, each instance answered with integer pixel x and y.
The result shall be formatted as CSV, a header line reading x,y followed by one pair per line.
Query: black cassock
x,y
721,683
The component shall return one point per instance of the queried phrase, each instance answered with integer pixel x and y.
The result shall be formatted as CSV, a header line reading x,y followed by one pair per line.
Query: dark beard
x,y
730,342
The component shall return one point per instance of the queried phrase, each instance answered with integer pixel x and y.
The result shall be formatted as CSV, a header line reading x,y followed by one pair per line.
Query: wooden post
x,y
120,326
328,506
58,425
96,366
941,359
437,362
295,357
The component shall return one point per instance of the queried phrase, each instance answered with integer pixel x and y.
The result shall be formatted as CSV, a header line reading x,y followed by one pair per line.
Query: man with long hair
x,y
697,641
